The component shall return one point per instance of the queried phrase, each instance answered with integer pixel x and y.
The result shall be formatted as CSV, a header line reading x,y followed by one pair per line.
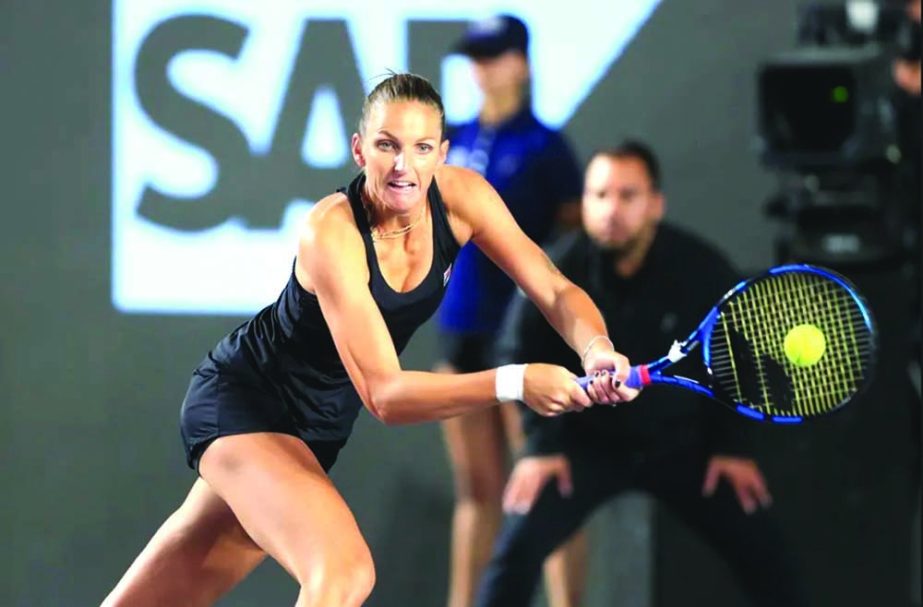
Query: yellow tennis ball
x,y
805,345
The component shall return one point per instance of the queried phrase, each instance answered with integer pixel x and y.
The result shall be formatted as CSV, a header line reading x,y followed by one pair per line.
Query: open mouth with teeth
x,y
401,186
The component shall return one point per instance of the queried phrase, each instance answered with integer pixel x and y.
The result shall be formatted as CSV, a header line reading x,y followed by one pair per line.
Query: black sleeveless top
x,y
286,350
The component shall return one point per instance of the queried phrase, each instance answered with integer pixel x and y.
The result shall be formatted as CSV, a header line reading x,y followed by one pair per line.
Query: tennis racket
x,y
793,343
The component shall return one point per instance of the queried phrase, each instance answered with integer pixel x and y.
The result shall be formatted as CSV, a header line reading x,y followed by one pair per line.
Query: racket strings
x,y
747,356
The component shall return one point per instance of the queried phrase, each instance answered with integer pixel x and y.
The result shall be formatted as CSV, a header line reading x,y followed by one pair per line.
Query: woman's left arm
x,y
568,308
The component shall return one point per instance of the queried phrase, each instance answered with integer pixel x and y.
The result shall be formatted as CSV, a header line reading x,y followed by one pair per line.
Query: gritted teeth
x,y
401,184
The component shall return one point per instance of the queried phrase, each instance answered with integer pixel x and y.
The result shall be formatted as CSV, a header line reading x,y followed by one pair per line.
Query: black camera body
x,y
829,126
827,107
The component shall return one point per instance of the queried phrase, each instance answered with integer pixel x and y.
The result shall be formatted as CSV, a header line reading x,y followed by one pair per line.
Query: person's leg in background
x,y
526,540
477,453
479,447
565,570
752,544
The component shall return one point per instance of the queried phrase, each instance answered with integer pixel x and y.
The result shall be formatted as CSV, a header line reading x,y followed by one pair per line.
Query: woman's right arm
x,y
332,264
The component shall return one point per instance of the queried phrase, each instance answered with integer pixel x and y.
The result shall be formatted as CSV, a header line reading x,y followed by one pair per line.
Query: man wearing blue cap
x,y
536,174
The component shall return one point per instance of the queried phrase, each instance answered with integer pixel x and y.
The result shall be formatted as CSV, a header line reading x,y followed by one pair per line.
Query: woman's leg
x,y
479,445
478,456
527,540
287,504
565,569
565,572
198,554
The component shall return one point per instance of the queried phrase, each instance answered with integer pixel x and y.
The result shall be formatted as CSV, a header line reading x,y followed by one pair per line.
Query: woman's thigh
x,y
198,554
287,504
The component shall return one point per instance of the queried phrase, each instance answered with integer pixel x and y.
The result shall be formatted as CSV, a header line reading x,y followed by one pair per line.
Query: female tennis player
x,y
271,405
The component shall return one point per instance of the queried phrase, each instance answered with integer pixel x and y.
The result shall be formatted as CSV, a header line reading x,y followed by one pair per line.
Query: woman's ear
x,y
356,147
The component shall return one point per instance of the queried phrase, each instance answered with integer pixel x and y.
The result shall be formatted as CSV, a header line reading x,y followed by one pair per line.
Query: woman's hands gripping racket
x,y
793,343
609,369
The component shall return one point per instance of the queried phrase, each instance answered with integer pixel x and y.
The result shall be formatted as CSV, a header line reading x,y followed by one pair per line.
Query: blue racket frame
x,y
651,373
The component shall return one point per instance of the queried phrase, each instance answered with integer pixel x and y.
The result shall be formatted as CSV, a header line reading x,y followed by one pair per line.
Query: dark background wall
x,y
91,455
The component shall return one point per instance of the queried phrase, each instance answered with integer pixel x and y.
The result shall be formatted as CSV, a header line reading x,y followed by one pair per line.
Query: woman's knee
x,y
480,485
341,578
478,454
479,480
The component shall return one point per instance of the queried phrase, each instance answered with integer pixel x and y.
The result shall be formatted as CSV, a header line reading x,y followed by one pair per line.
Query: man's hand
x,y
744,476
529,477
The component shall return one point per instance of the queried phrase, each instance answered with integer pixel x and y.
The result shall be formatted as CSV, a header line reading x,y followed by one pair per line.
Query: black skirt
x,y
218,405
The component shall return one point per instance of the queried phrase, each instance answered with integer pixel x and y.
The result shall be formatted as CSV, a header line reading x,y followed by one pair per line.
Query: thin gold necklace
x,y
379,235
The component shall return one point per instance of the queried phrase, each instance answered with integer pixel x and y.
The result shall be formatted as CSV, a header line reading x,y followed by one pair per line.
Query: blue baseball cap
x,y
494,36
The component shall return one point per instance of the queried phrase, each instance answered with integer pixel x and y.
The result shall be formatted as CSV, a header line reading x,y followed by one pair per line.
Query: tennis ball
x,y
805,345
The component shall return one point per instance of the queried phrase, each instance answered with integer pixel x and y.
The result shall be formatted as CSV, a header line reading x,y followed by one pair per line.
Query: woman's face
x,y
400,151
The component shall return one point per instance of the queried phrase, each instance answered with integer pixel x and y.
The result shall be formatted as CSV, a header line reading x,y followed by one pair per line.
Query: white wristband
x,y
510,382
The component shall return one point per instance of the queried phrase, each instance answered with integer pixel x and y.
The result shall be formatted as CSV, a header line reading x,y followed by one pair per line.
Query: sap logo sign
x,y
230,119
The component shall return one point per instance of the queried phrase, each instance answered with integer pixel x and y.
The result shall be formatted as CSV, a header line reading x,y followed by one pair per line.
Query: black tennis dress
x,y
280,371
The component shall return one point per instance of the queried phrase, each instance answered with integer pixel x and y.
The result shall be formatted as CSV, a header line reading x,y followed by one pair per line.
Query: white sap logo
x,y
231,118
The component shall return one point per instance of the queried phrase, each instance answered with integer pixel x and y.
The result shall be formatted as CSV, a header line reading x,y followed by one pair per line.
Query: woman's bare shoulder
x,y
329,241
331,218
455,182
463,190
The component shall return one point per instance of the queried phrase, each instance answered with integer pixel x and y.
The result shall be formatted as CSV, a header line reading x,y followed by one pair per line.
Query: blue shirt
x,y
534,171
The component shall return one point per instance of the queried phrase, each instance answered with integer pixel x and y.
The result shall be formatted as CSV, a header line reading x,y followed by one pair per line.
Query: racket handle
x,y
638,377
